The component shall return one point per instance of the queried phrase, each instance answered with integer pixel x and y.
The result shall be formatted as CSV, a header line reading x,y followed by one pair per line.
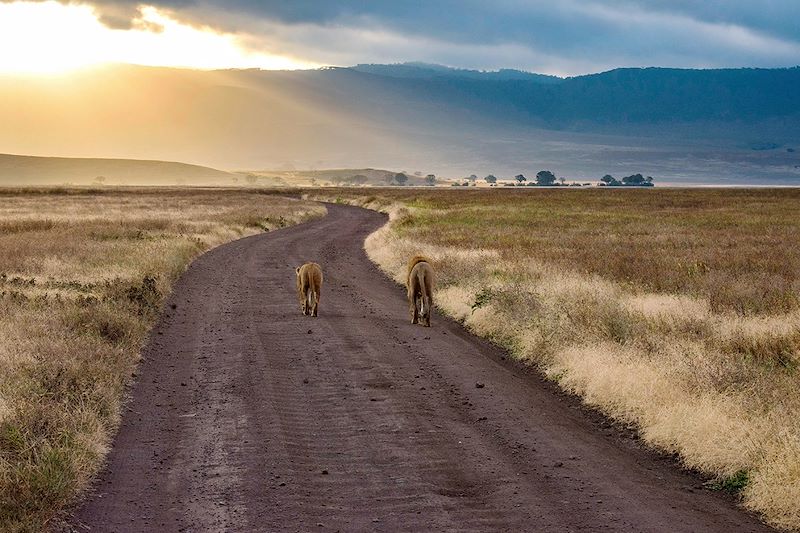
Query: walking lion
x,y
420,290
309,284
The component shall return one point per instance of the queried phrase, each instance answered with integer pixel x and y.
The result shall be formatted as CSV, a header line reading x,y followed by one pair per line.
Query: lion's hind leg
x,y
426,298
315,305
309,301
306,298
427,301
413,308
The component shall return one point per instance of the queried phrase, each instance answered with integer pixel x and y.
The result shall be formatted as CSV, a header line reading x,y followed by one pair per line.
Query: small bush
x,y
145,295
733,484
483,298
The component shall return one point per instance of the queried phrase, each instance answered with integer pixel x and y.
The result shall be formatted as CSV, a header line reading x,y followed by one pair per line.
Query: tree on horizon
x,y
545,177
634,179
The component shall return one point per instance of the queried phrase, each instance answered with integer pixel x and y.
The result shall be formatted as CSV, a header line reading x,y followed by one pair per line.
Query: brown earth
x,y
249,416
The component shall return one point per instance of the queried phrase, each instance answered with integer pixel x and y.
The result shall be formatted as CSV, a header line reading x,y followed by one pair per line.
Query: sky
x,y
564,37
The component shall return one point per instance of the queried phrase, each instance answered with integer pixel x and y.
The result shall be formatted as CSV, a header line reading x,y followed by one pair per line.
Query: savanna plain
x,y
675,311
83,275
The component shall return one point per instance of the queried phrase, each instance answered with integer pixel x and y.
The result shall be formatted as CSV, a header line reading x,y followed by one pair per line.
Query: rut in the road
x,y
248,416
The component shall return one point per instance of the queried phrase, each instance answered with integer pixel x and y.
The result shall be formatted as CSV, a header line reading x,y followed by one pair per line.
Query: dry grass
x,y
674,310
82,277
734,248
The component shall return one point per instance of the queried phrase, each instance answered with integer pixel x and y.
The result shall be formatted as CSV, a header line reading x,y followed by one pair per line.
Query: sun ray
x,y
51,38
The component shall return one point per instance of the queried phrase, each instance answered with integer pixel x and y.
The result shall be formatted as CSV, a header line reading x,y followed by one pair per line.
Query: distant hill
x,y
336,177
19,170
428,71
730,126
621,97
665,96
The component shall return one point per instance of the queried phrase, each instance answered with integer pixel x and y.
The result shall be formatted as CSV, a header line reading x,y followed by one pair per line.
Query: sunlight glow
x,y
51,38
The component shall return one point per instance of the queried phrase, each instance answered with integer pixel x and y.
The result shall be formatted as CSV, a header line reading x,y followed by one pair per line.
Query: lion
x,y
420,290
309,284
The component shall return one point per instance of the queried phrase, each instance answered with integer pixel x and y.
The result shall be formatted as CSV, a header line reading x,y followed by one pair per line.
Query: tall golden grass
x,y
677,311
82,277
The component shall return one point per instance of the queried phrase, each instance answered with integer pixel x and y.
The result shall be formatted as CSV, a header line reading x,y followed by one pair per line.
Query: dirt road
x,y
248,416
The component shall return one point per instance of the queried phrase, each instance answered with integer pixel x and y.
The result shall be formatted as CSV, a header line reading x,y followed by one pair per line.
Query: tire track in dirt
x,y
248,416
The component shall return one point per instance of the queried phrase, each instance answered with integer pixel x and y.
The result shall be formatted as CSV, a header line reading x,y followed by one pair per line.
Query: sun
x,y
47,37
51,38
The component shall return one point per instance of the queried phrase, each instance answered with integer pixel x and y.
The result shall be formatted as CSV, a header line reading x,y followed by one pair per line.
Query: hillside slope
x,y
19,170
703,126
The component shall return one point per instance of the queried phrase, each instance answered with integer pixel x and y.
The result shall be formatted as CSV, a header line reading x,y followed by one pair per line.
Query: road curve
x,y
248,416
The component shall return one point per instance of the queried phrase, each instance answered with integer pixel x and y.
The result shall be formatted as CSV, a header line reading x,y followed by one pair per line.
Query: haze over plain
x,y
182,102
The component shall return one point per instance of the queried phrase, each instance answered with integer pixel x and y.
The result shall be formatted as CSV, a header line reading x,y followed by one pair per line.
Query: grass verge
x,y
673,310
83,275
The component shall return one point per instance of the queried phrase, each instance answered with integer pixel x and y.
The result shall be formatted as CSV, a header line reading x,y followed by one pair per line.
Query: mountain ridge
x,y
419,70
686,125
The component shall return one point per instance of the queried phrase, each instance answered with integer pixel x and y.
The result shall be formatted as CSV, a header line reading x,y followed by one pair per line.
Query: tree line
x,y
546,178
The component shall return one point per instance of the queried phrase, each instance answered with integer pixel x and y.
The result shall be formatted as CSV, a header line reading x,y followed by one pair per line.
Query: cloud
x,y
565,37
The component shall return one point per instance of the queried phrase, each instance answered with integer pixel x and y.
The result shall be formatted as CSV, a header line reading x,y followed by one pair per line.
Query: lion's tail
x,y
412,263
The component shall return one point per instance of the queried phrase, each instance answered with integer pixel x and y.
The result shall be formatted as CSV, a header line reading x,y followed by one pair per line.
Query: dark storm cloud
x,y
567,36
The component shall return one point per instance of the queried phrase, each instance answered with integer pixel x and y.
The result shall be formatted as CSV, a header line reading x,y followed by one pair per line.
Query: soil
x,y
249,416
